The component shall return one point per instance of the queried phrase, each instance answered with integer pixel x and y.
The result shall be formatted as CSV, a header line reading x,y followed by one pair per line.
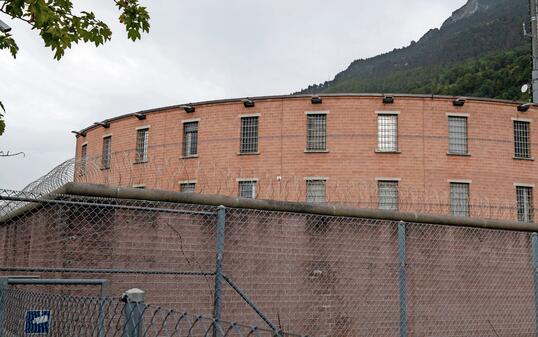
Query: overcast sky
x,y
196,50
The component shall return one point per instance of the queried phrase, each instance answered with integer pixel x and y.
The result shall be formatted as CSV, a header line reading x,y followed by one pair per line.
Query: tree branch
x,y
9,154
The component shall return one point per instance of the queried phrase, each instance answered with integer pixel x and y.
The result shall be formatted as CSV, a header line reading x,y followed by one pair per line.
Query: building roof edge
x,y
302,96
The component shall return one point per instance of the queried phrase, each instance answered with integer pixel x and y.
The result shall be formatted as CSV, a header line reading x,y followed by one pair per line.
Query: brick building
x,y
467,157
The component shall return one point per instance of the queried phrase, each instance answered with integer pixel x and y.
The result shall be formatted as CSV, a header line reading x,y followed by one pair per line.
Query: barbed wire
x,y
77,316
166,172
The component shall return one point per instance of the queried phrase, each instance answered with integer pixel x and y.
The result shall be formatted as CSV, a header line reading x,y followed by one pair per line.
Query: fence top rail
x,y
106,191
39,281
16,203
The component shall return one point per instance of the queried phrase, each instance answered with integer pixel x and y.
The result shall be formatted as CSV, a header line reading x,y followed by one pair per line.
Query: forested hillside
x,y
479,51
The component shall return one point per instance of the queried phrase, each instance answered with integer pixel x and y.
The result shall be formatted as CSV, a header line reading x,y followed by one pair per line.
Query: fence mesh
x,y
78,316
314,274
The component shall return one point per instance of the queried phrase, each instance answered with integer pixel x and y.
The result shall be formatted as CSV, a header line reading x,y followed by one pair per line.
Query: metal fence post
x,y
534,241
133,313
402,280
102,303
4,286
217,304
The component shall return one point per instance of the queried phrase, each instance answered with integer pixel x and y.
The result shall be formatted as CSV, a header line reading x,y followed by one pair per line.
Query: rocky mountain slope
x,y
483,38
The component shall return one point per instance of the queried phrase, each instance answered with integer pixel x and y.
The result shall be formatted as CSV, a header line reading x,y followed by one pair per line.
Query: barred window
x,y
247,189
457,135
316,191
189,187
249,135
459,199
387,133
190,139
83,159
388,195
316,132
525,209
521,139
107,152
142,145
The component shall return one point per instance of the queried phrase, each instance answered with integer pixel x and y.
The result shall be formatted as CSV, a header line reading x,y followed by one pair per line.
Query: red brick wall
x,y
351,164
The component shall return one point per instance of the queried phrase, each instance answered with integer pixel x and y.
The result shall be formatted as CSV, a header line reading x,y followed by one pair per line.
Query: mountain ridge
x,y
477,29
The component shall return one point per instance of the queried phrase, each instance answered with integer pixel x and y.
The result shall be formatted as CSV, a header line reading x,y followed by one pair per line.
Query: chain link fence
x,y
295,270
78,316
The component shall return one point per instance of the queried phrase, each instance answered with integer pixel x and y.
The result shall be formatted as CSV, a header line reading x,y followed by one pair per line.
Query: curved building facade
x,y
449,155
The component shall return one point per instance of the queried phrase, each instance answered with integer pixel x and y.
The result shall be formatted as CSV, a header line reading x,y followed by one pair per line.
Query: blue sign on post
x,y
37,322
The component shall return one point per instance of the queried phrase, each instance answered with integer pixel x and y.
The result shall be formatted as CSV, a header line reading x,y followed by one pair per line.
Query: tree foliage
x,y
496,75
60,26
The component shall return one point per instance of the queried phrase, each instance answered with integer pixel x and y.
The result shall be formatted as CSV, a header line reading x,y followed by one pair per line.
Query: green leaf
x,y
7,42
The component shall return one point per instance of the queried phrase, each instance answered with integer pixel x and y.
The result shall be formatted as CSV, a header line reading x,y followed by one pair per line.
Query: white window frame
x,y
187,182
144,157
466,144
315,199
324,136
186,146
529,139
387,142
253,181
106,158
384,204
457,209
528,212
242,136
83,159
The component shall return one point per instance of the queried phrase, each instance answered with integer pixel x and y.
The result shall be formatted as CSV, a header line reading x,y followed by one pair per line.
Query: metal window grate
x,y
459,199
316,132
521,139
316,191
457,135
247,189
83,159
190,139
142,145
388,195
387,133
525,209
249,134
107,152
187,187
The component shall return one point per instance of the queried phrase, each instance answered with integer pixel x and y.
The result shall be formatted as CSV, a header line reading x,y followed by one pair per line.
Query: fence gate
x,y
25,313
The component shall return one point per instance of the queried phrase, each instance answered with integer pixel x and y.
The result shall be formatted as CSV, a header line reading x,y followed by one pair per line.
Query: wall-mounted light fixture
x,y
388,99
4,28
81,134
524,107
105,124
248,103
459,101
316,100
189,108
140,116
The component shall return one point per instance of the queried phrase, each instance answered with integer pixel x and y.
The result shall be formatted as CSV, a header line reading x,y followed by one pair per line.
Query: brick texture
x,y
351,163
